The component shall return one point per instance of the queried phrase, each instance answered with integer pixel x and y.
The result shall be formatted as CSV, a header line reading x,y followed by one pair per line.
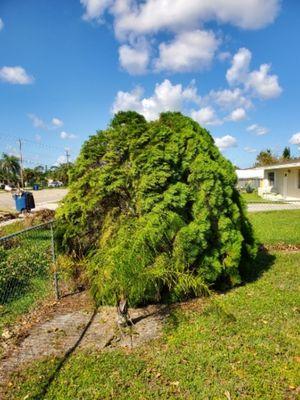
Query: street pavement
x,y
50,198
44,199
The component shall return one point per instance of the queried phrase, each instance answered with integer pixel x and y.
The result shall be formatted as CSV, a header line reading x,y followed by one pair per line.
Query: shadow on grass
x,y
250,271
254,269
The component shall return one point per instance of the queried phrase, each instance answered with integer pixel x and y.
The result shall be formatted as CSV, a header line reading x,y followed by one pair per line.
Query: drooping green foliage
x,y
154,212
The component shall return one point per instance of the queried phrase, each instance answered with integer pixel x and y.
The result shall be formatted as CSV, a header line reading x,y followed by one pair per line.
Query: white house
x,y
281,180
250,176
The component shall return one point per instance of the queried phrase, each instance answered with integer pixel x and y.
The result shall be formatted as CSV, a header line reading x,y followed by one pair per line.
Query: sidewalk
x,y
258,207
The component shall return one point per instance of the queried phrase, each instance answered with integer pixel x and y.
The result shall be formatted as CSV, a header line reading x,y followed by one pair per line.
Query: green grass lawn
x,y
273,227
240,345
254,198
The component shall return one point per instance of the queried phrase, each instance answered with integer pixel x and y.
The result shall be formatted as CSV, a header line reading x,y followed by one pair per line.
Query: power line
x,y
25,140
33,157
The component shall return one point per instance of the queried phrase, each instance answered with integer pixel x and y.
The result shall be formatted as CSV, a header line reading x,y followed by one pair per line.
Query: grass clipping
x,y
153,212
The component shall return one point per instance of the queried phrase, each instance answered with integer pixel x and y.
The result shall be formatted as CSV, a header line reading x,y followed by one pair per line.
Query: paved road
x,y
272,207
49,198
46,198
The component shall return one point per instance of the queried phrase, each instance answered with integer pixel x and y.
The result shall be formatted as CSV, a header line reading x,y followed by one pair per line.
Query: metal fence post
x,y
55,275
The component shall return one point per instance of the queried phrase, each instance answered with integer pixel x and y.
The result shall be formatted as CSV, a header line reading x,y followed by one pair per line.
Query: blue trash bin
x,y
24,201
36,187
20,201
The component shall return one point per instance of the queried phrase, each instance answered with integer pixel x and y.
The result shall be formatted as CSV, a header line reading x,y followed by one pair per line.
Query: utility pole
x,y
68,164
68,157
21,164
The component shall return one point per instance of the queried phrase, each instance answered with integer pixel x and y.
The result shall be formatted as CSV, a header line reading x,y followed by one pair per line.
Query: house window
x,y
271,178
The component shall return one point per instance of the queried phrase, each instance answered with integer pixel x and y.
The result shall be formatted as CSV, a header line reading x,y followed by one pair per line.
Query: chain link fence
x,y
27,271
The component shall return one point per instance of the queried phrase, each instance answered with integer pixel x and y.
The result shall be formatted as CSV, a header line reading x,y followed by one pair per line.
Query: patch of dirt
x,y
104,331
44,312
6,216
289,248
38,217
57,327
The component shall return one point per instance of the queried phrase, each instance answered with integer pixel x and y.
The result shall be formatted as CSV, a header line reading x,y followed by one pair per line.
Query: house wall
x,y
265,186
292,188
292,191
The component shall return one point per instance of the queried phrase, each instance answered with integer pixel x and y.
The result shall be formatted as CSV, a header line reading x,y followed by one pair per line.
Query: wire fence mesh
x,y
27,270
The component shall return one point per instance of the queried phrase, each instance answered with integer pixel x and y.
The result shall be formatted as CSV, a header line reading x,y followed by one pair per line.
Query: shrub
x,y
154,212
18,266
249,188
72,271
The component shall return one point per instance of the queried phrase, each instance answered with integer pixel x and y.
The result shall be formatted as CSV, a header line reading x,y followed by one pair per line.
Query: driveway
x,y
257,207
45,198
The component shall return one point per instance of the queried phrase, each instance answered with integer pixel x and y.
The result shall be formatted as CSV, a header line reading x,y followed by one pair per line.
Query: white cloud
x,y
95,8
257,129
135,60
1,24
229,99
250,149
226,142
295,139
66,135
38,137
15,75
189,51
264,85
239,70
133,19
166,97
154,15
57,122
37,122
61,160
206,116
258,82
125,101
237,115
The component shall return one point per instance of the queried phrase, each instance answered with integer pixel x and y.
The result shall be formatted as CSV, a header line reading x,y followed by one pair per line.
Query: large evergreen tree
x,y
153,211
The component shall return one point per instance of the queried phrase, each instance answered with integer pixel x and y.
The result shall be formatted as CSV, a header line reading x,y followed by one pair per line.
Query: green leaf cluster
x,y
154,212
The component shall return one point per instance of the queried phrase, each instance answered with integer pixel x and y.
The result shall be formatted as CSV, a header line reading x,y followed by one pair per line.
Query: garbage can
x,y
24,201
20,201
29,201
36,186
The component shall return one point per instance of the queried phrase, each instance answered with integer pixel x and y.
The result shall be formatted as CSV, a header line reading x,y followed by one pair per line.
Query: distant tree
x,y
265,157
60,172
286,154
35,175
10,168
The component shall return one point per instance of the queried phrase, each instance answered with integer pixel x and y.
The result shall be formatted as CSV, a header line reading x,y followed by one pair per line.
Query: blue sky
x,y
65,66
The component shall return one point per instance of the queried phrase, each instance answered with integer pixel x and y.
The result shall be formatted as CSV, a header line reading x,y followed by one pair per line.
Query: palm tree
x,y
9,167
